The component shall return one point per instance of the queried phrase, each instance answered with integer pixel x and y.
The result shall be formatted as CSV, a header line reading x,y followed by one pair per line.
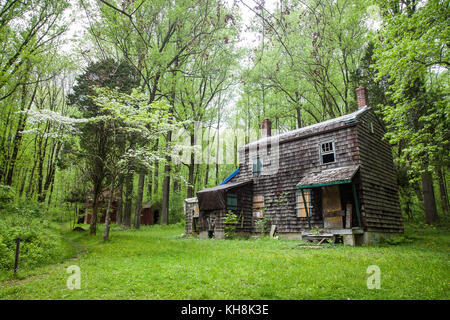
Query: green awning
x,y
328,177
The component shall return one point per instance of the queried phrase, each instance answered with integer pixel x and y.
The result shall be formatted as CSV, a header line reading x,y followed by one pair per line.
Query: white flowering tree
x,y
127,114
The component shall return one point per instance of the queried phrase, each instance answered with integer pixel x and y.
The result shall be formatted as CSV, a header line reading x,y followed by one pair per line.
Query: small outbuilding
x,y
149,214
191,213
85,213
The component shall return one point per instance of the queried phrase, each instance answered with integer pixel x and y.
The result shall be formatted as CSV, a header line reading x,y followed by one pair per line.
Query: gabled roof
x,y
312,129
215,198
146,205
328,177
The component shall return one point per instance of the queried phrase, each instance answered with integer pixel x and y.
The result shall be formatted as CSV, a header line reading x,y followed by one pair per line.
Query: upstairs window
x,y
257,166
300,204
231,201
327,152
258,206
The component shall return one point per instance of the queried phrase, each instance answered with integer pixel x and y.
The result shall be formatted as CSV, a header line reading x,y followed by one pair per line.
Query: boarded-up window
x,y
300,204
257,167
231,201
327,152
258,206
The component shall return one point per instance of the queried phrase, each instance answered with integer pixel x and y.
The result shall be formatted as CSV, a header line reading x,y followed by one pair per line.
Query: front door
x,y
332,211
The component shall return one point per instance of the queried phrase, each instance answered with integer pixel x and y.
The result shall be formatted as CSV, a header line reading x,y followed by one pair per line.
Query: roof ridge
x,y
342,118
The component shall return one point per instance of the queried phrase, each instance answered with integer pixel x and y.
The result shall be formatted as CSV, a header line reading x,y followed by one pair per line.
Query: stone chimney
x,y
361,97
266,128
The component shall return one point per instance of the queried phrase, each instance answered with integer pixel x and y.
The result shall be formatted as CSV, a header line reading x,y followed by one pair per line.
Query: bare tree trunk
x,y
30,181
176,185
19,135
418,191
149,186
429,200
217,150
108,210
166,186
190,188
93,225
443,189
120,202
140,195
128,200
156,174
52,183
208,155
22,185
51,170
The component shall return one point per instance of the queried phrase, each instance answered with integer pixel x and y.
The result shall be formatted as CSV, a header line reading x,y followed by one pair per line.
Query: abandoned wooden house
x,y
336,177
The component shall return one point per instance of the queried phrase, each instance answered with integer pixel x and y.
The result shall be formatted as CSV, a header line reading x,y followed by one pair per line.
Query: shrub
x,y
40,243
6,196
230,222
263,225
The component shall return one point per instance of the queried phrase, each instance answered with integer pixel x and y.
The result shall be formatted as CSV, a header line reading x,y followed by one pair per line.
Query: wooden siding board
x,y
379,185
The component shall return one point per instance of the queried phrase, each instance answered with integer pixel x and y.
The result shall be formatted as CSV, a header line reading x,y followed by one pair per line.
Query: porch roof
x,y
215,198
328,177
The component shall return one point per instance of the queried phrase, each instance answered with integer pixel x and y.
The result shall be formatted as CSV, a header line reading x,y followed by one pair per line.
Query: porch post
x,y
306,208
355,198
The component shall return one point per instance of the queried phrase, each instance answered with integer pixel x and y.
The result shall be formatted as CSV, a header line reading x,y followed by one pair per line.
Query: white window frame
x,y
323,153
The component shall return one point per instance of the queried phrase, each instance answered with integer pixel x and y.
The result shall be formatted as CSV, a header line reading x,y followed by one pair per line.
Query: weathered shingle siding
x,y
380,201
244,211
189,209
297,158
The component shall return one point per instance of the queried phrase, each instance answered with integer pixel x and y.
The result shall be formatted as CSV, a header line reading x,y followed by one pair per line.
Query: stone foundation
x,y
290,235
366,238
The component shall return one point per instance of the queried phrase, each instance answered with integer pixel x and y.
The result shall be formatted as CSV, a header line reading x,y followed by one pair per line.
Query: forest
x,y
149,101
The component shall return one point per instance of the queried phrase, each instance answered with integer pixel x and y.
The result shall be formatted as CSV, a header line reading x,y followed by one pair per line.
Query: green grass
x,y
155,263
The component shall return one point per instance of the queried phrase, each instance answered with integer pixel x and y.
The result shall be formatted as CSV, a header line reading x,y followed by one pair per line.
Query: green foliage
x,y
263,225
260,268
23,209
411,49
230,221
176,208
6,195
41,242
394,241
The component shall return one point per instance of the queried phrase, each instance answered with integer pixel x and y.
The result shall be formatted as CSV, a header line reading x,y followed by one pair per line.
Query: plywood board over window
x,y
332,211
303,212
258,206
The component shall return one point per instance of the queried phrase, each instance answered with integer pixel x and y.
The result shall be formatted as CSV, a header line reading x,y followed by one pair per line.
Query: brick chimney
x,y
361,97
266,128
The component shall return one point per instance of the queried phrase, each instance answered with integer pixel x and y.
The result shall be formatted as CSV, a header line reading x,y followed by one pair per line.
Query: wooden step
x,y
311,237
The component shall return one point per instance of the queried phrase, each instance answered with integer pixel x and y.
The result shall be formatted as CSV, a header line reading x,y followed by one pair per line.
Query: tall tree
x,y
412,49
95,139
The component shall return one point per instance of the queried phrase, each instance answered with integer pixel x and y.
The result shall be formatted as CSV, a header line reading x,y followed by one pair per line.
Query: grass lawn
x,y
155,263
